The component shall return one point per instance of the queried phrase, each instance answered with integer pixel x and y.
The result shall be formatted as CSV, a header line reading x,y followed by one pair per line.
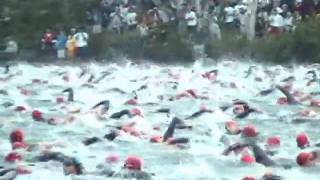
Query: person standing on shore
x,y
71,44
192,22
61,45
81,38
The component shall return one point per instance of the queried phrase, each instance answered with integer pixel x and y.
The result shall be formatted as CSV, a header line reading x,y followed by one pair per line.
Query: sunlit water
x,y
202,160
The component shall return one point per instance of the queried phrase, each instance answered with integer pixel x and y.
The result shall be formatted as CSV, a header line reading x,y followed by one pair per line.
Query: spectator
x,y
48,40
307,7
131,19
181,12
153,18
81,39
61,45
229,17
288,22
116,23
275,23
214,28
71,44
97,21
192,22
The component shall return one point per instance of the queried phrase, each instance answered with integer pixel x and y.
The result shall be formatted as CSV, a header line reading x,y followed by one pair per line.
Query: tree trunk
x,y
251,23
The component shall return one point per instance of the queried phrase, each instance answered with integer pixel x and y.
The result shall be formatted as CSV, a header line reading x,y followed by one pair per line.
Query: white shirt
x,y
131,18
230,13
163,16
191,18
81,39
276,20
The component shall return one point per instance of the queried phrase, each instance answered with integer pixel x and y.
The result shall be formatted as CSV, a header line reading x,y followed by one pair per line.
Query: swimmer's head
x,y
302,140
136,112
37,115
13,157
16,136
133,163
248,159
72,166
305,159
249,131
273,141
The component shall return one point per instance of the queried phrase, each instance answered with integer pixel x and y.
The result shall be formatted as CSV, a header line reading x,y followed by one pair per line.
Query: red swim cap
x,y
59,99
66,78
232,127
136,112
20,108
133,163
13,157
16,136
112,158
18,145
302,140
37,115
249,178
282,101
249,131
248,159
156,139
273,141
132,102
303,158
21,171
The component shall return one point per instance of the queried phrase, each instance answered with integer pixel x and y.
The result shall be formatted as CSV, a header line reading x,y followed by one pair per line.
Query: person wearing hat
x,y
132,169
308,159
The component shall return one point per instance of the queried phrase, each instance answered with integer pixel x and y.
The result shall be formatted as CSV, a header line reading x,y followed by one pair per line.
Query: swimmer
x,y
199,113
132,169
130,113
70,164
260,156
168,135
70,94
249,71
289,97
105,105
308,159
7,69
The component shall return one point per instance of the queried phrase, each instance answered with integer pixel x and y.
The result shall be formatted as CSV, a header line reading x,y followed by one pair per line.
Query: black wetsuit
x,y
70,94
105,104
110,136
102,77
245,113
59,157
266,92
165,110
291,100
197,114
261,156
288,79
175,123
118,115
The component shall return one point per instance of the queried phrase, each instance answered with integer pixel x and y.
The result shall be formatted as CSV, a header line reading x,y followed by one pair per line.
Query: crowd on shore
x,y
155,19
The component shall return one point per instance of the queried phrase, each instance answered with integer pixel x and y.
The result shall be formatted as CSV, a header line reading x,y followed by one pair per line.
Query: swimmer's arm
x,y
234,147
287,94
